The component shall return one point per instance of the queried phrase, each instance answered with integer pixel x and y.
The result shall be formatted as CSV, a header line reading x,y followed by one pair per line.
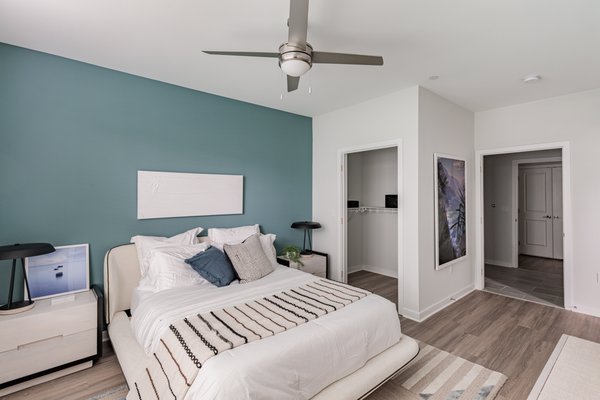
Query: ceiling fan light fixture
x,y
294,67
295,60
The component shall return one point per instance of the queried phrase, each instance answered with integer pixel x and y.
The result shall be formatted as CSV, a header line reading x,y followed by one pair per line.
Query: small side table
x,y
317,263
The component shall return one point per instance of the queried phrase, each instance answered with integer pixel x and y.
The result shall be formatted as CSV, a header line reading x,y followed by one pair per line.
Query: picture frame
x,y
64,271
450,209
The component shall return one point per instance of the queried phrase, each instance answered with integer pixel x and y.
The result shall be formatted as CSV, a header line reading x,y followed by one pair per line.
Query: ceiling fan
x,y
296,56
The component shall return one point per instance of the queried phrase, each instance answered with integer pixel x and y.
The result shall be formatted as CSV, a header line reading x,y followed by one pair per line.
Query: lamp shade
x,y
306,225
22,251
15,251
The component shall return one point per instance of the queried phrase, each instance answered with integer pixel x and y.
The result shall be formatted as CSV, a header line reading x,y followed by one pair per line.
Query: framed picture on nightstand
x,y
62,272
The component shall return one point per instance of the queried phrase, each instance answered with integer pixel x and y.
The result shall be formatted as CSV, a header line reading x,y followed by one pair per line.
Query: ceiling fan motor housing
x,y
295,60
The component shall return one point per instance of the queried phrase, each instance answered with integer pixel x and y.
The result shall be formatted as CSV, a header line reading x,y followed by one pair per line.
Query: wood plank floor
x,y
382,285
507,335
536,279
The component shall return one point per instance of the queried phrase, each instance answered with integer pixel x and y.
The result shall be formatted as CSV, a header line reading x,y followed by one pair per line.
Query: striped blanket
x,y
190,342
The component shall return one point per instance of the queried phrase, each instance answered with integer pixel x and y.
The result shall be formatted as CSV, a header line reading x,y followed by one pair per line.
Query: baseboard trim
x,y
410,314
595,312
369,268
355,268
437,307
445,302
500,263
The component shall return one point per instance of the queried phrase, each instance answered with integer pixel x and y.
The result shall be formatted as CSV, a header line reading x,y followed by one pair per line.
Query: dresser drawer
x,y
52,351
46,320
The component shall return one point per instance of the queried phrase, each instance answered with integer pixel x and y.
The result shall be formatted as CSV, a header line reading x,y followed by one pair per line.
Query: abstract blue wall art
x,y
450,210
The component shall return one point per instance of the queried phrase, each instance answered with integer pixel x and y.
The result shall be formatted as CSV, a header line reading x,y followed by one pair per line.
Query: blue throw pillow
x,y
214,266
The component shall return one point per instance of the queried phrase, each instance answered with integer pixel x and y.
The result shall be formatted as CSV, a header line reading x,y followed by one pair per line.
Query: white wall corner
x,y
410,314
443,303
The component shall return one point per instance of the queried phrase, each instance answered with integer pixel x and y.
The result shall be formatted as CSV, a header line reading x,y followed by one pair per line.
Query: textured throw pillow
x,y
214,266
249,259
221,236
145,244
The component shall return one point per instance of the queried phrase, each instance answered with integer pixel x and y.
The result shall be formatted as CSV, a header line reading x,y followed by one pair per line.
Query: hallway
x,y
537,279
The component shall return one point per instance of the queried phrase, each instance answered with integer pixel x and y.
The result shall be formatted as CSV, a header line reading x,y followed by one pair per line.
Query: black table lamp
x,y
13,252
308,226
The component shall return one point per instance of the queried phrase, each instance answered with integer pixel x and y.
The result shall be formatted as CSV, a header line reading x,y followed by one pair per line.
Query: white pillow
x,y
267,241
167,268
220,236
145,244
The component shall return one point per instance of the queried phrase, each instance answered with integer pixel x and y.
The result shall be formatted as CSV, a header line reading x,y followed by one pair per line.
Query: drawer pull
x,y
30,344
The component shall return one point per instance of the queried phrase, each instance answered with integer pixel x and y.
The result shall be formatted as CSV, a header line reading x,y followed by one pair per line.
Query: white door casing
x,y
536,212
567,210
557,213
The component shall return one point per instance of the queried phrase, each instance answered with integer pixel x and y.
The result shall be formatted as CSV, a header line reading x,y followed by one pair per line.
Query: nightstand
x,y
58,336
317,264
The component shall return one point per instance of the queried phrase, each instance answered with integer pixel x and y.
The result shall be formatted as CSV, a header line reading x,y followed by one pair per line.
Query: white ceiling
x,y
479,48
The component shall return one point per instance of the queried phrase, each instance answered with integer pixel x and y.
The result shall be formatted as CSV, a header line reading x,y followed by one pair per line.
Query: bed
x,y
300,363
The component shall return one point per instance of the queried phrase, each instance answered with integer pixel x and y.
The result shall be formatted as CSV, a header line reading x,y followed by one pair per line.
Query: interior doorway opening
x,y
523,228
371,221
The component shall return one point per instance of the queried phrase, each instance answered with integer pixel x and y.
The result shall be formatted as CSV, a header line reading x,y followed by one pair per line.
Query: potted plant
x,y
292,253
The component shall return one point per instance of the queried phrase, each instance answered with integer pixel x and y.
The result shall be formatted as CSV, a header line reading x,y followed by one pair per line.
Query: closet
x,y
372,228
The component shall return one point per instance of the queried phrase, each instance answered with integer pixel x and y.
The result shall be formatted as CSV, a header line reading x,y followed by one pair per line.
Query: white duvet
x,y
296,364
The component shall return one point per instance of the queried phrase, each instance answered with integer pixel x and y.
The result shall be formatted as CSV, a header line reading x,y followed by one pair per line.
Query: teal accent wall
x,y
73,136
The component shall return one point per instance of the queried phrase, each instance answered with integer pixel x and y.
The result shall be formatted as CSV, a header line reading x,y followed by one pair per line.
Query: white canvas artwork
x,y
175,194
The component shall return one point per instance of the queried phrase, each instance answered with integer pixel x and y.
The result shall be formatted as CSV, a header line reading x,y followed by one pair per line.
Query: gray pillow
x,y
249,259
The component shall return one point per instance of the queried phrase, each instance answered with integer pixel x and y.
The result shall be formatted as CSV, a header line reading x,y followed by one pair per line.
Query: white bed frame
x,y
121,276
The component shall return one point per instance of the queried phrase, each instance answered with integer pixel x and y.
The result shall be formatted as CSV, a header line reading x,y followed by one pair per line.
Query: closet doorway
x,y
370,220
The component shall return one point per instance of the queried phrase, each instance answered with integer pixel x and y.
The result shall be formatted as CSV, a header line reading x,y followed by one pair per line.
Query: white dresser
x,y
315,264
56,337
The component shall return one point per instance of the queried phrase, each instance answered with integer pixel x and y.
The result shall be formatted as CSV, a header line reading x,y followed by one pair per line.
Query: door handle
x,y
556,217
547,217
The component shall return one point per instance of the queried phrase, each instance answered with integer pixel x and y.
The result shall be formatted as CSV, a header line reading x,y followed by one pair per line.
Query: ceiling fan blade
x,y
320,57
298,22
292,83
242,53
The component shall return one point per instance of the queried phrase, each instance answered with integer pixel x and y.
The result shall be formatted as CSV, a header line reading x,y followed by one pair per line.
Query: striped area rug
x,y
437,375
114,393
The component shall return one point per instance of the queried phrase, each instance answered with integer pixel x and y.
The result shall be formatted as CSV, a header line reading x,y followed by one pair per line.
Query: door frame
x,y
515,199
342,205
567,212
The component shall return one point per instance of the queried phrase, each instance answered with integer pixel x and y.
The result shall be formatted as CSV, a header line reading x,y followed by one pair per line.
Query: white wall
x,y
383,119
574,118
498,190
373,236
446,128
426,123
379,176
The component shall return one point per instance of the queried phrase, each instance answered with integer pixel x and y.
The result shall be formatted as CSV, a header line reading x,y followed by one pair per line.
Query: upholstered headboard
x,y
121,276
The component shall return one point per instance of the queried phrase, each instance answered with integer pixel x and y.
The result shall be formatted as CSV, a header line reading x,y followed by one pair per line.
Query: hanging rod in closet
x,y
369,209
